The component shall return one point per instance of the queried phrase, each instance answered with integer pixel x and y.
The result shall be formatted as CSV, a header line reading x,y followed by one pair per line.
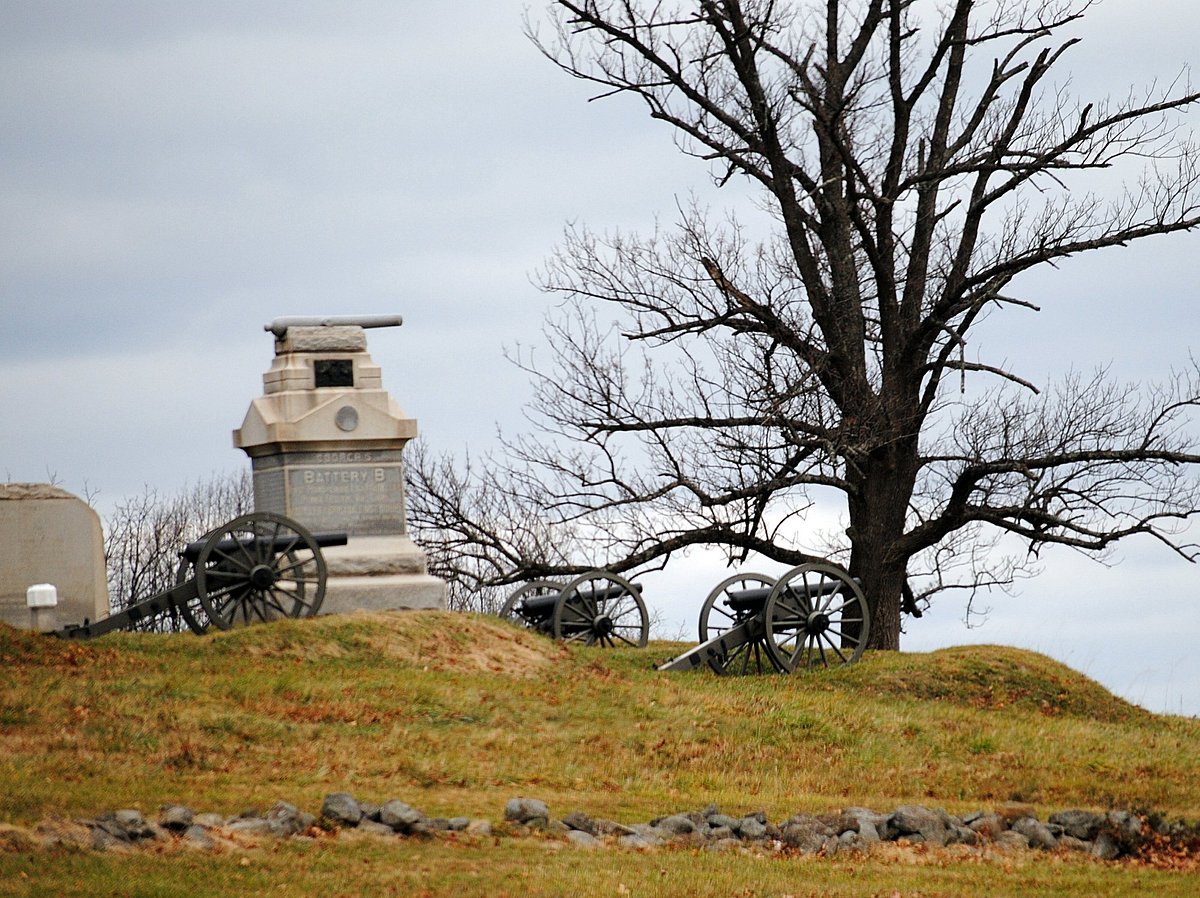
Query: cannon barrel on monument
x,y
280,326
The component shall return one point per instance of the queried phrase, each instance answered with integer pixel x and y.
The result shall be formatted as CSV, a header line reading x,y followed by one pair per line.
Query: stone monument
x,y
325,443
49,536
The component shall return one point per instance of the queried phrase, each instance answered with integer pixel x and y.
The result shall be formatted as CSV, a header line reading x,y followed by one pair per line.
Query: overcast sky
x,y
173,175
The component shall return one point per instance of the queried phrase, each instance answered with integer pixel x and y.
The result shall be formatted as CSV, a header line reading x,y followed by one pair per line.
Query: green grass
x,y
455,714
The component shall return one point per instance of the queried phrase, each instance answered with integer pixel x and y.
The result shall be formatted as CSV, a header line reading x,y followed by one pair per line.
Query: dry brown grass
x,y
456,713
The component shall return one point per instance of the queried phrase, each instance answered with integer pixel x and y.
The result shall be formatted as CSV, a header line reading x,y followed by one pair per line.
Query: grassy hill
x,y
455,714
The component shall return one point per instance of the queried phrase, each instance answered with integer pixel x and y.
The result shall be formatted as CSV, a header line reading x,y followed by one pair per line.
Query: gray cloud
x,y
174,175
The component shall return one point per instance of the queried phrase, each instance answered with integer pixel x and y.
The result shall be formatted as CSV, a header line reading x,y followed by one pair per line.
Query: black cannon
x,y
814,615
596,608
258,567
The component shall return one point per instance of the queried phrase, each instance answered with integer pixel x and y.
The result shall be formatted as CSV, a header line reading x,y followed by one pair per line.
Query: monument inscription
x,y
360,492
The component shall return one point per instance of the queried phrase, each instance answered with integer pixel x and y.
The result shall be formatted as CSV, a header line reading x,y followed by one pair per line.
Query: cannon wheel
x,y
531,590
716,617
600,608
816,616
192,611
261,566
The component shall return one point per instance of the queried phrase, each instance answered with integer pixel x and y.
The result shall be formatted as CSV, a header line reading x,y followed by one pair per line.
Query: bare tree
x,y
913,159
144,534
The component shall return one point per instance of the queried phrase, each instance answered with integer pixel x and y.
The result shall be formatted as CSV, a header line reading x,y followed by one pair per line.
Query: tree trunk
x,y
877,521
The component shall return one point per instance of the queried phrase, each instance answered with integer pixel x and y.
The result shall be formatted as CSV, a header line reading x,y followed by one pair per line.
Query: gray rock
x,y
868,832
367,825
437,824
479,828
581,822
197,837
989,825
1010,840
527,811
400,816
130,818
806,835
718,820
1120,833
675,825
175,817
640,841
611,828
288,820
853,842
1036,832
208,821
254,826
1127,827
1077,824
369,809
1073,844
910,821
459,824
840,823
107,824
341,809
871,825
128,825
1107,846
581,839
104,840
958,834
717,833
752,827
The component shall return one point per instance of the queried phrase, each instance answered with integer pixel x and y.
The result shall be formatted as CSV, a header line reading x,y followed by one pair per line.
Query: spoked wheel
x,y
816,616
532,605
599,608
192,611
735,601
259,567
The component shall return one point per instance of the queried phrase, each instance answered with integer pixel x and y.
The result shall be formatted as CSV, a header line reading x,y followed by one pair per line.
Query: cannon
x,y
814,615
258,567
596,608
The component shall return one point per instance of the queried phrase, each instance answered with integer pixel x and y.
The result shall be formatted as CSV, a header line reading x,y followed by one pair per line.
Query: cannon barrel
x,y
279,327
259,566
271,544
756,599
543,606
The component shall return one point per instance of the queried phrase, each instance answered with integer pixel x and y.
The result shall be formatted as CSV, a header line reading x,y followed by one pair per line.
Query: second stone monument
x,y
325,442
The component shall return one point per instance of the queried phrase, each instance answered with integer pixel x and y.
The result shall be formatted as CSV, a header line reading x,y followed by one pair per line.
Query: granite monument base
x,y
379,573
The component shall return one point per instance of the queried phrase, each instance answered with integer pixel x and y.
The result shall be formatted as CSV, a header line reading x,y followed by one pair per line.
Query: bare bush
x,y
145,533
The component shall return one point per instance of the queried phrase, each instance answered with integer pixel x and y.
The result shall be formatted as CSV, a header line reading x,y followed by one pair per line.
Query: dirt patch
x,y
431,640
439,640
13,838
